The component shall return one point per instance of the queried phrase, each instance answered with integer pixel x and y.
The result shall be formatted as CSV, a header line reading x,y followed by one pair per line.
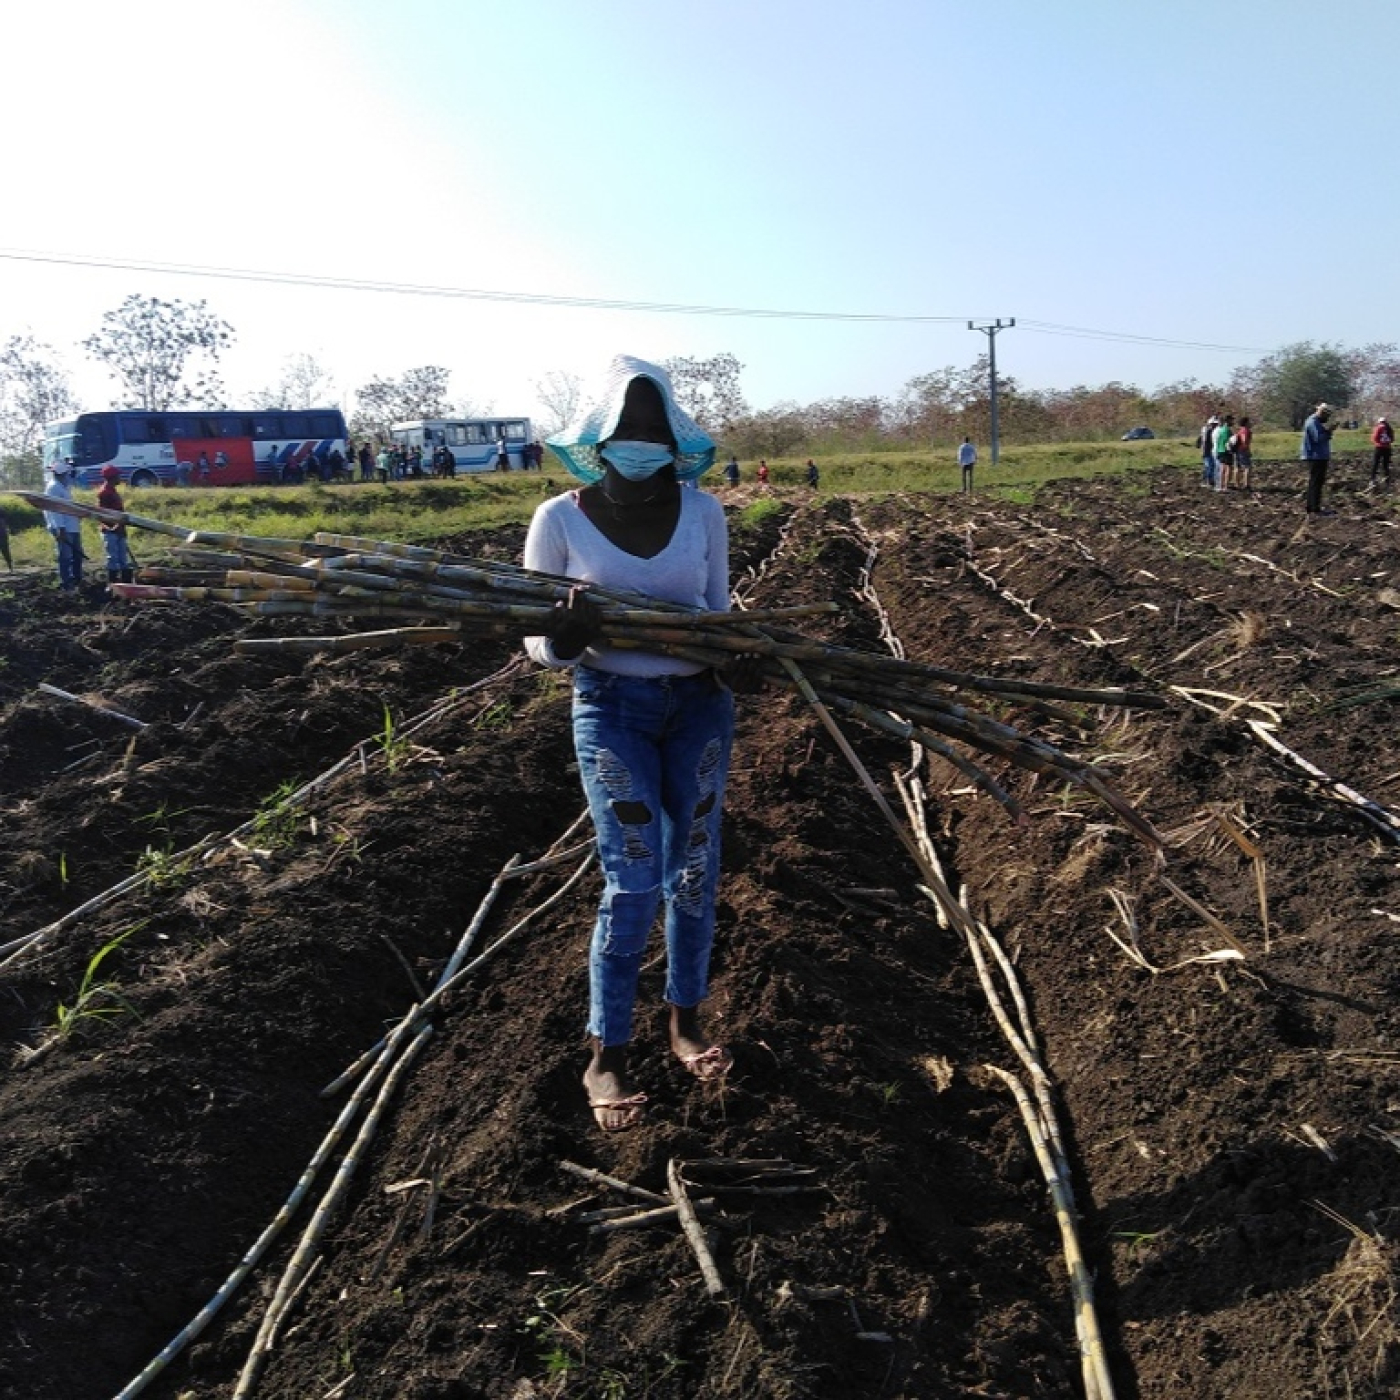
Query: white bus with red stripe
x,y
223,447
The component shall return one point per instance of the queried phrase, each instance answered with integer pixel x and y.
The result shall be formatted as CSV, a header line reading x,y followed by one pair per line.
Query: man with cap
x,y
120,565
1316,451
66,529
1382,439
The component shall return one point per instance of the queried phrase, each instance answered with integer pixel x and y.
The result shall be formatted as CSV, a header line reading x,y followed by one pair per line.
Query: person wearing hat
x,y
1317,452
1382,441
66,530
120,565
652,733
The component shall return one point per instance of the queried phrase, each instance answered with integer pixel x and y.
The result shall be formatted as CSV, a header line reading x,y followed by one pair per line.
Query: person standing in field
x,y
502,455
1206,443
652,733
1382,443
967,459
120,566
66,530
1224,455
813,475
1316,451
1242,445
762,472
731,471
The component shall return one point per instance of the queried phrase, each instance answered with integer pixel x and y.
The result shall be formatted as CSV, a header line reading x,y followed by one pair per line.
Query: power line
x,y
296,279
1051,328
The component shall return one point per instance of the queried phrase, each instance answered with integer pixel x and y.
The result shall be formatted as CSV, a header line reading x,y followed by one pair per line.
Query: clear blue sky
x,y
1193,173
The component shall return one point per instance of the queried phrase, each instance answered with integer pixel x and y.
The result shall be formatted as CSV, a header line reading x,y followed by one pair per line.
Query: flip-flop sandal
x,y
630,1108
713,1063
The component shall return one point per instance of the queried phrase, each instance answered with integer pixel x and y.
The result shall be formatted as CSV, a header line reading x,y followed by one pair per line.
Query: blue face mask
x,y
636,460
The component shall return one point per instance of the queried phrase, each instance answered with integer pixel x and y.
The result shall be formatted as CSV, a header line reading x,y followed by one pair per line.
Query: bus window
x,y
182,425
267,425
323,425
98,438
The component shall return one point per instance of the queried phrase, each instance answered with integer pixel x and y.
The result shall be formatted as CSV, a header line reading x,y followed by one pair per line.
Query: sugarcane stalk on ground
x,y
361,580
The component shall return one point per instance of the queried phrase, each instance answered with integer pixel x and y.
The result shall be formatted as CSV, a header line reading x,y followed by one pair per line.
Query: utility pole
x,y
990,331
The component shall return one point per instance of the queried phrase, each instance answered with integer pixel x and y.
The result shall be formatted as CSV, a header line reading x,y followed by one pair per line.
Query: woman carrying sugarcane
x,y
652,732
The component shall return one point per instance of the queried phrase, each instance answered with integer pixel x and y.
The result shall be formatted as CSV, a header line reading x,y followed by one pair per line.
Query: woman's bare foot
x,y
694,1049
615,1102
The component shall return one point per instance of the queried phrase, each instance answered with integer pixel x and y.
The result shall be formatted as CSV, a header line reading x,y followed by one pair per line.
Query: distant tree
x,y
147,345
1180,408
559,393
33,390
930,407
771,432
847,424
708,389
1287,385
303,383
416,393
1376,378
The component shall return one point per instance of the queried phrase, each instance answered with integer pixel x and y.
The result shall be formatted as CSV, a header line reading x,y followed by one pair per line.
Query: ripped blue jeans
x,y
653,754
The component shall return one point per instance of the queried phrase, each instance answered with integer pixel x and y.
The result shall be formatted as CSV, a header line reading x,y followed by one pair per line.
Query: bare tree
x,y
147,345
708,389
560,393
303,383
416,393
33,391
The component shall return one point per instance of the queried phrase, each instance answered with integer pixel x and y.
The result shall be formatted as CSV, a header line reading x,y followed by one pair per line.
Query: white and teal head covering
x,y
578,444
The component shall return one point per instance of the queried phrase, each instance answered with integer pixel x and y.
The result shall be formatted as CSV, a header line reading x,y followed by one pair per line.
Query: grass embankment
x,y
423,511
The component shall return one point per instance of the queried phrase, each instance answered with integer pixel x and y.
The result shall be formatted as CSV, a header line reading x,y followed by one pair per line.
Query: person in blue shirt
x,y
1317,452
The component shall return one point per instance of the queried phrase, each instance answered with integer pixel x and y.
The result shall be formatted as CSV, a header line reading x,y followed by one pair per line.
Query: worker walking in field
x,y
652,732
967,459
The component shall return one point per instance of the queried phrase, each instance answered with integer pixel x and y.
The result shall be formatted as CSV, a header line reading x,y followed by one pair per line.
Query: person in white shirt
x,y
67,530
967,459
652,732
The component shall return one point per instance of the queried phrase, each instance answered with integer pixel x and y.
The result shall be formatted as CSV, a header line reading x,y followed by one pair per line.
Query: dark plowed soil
x,y
1229,1093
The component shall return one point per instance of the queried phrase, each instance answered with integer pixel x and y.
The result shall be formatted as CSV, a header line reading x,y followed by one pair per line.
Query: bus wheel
x,y
144,478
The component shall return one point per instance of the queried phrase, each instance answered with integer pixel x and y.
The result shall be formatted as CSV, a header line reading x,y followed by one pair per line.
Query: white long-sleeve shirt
x,y
70,524
692,570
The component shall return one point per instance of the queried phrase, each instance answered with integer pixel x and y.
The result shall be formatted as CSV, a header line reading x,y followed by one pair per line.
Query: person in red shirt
x,y
1243,447
120,565
1382,438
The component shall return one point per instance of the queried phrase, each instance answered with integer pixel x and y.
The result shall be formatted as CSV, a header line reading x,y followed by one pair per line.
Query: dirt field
x,y
1232,1125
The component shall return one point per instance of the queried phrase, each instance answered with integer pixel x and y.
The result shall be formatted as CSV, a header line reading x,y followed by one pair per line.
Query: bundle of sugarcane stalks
x,y
436,597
